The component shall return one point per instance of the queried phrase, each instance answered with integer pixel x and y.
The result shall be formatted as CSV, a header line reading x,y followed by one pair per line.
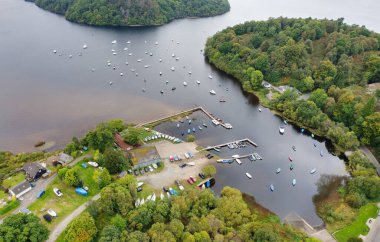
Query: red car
x,y
190,181
193,179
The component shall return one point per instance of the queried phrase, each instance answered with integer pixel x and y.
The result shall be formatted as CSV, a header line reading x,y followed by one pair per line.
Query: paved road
x,y
374,233
61,226
371,157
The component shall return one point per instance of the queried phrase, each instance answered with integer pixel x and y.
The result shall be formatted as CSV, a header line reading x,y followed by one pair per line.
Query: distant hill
x,y
132,12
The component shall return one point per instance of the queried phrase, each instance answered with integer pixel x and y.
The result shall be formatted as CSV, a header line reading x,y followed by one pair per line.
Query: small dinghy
x,y
185,84
278,170
290,158
212,92
294,182
282,130
248,175
291,166
294,148
313,171
238,161
198,82
271,187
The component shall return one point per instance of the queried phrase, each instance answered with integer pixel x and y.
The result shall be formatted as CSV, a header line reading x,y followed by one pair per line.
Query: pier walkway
x,y
215,120
236,141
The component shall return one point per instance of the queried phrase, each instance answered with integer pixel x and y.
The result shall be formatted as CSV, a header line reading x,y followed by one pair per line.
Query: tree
x,y
72,178
62,172
305,85
114,160
133,136
81,229
319,97
256,78
102,177
101,137
190,138
158,233
209,170
119,222
22,227
355,200
202,236
265,234
110,233
114,199
176,227
135,236
371,129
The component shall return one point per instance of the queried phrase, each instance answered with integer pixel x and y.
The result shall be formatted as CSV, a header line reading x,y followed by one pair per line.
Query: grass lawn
x,y
359,225
70,200
14,180
3,194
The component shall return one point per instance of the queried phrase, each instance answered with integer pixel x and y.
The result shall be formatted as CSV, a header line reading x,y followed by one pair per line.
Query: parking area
x,y
172,171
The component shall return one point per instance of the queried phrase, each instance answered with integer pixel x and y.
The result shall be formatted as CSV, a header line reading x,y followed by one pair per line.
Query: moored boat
x,y
212,92
291,166
248,175
282,130
313,171
294,182
290,158
278,170
238,161
225,161
271,187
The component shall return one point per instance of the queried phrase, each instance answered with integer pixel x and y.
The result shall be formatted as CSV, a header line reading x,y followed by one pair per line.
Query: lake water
x,y
46,96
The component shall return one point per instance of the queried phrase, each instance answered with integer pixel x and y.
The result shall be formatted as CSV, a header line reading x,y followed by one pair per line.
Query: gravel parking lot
x,y
172,171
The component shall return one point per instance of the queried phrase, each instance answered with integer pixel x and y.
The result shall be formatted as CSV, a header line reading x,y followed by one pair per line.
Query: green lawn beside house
x,y
70,200
359,225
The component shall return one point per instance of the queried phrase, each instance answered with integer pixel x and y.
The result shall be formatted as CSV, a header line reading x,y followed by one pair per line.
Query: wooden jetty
x,y
211,116
236,141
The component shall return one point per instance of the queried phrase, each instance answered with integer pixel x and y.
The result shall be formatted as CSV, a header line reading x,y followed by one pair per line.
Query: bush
x,y
355,200
354,239
190,138
72,178
62,172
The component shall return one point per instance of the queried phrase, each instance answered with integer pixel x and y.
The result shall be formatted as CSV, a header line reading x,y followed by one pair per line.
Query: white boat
x,y
138,60
128,42
132,70
139,184
212,92
271,187
260,110
210,76
70,56
114,42
125,48
114,53
153,197
126,63
177,125
294,182
121,74
177,58
51,212
191,163
173,55
238,161
278,170
172,68
111,83
160,73
248,175
162,196
54,51
147,66
185,84
112,50
313,171
282,130
160,60
236,156
156,43
130,54
149,198
84,46
142,201
215,122
168,194
189,72
198,82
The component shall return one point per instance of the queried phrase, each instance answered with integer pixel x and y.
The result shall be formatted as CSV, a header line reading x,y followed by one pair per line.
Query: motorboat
x,y
199,127
285,122
139,60
252,158
121,74
290,158
84,46
185,84
294,182
216,149
160,60
236,156
282,130
173,88
173,69
313,171
54,51
321,153
198,82
190,121
210,76
160,73
248,175
278,170
162,91
51,212
114,42
204,125
291,167
193,130
238,161
271,187
212,92
294,148
260,110
128,42
111,83
147,66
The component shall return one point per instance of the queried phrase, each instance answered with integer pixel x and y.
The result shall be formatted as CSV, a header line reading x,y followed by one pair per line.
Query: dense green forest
x,y
329,61
132,12
194,215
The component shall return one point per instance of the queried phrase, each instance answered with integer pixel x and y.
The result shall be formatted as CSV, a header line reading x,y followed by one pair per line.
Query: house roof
x,y
32,169
65,158
21,187
120,142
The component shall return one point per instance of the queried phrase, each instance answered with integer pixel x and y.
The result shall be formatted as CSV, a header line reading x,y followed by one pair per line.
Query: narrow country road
x,y
61,226
374,232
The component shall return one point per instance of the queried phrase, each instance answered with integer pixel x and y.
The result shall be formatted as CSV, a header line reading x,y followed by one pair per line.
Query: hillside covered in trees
x,y
328,60
132,12
194,215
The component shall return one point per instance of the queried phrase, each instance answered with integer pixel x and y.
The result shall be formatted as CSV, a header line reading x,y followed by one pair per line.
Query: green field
x,y
359,225
14,180
70,200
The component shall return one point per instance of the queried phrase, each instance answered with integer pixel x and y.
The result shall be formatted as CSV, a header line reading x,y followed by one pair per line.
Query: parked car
x,y
48,218
139,189
165,189
190,181
176,158
40,194
93,164
129,171
146,169
150,168
158,164
182,165
201,175
136,172
171,158
57,192
141,171
154,166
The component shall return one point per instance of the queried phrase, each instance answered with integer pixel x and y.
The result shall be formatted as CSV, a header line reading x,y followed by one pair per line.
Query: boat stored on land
x,y
238,161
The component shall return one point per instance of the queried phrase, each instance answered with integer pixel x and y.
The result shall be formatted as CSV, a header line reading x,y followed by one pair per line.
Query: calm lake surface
x,y
47,96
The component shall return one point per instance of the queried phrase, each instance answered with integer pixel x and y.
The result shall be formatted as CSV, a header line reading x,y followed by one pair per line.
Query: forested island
x,y
132,12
